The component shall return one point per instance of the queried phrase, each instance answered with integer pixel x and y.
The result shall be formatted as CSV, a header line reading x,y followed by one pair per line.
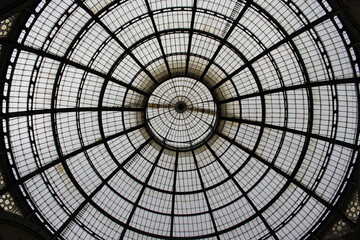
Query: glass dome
x,y
148,119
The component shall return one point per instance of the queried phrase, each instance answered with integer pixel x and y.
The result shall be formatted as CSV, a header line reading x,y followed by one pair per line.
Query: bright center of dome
x,y
181,113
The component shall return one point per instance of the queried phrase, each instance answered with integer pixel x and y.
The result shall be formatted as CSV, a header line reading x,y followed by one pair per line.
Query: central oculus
x,y
180,107
181,113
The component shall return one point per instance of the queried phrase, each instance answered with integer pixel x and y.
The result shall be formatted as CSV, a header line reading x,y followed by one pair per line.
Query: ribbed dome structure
x,y
148,119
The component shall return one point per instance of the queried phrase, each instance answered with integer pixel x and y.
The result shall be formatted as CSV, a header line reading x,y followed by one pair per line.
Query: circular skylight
x,y
140,119
181,113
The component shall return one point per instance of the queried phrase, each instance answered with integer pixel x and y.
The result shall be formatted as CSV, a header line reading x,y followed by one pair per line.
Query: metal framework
x,y
181,119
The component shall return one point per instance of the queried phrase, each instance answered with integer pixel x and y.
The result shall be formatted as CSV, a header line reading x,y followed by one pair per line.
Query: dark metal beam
x,y
65,157
67,61
289,178
141,193
278,44
129,86
173,196
294,131
223,41
68,110
158,37
96,18
355,80
205,195
98,188
192,23
242,192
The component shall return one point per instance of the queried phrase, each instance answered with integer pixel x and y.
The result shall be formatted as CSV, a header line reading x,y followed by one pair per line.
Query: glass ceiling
x,y
140,119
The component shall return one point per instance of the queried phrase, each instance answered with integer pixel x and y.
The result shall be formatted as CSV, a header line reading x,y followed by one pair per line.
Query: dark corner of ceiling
x,y
350,16
13,226
11,8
